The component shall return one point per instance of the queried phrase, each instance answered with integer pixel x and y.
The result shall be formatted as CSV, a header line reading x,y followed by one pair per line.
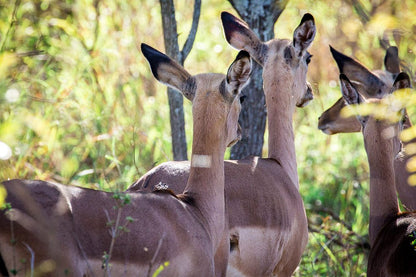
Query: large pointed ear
x,y
238,74
402,81
368,84
391,60
348,90
304,33
169,72
241,37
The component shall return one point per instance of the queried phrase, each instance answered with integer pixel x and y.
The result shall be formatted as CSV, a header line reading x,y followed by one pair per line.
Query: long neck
x,y
280,109
206,179
383,198
407,193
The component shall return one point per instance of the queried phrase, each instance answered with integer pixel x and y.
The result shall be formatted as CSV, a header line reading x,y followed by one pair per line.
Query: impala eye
x,y
308,58
242,98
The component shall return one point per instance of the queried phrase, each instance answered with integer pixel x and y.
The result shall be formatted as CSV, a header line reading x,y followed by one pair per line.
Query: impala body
x,y
371,85
69,226
392,233
66,227
267,223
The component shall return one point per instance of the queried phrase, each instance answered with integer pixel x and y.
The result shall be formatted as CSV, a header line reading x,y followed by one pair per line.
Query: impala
x,y
392,233
68,224
267,221
371,85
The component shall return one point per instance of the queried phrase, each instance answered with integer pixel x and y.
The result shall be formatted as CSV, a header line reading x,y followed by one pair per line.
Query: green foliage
x,y
413,242
160,269
116,227
3,194
79,105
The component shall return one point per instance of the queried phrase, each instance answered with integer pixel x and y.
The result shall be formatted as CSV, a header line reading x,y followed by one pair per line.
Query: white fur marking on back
x,y
63,203
389,132
203,161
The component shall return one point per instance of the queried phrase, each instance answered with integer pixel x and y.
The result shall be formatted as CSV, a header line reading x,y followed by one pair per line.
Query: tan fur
x,y
391,232
332,122
267,221
185,230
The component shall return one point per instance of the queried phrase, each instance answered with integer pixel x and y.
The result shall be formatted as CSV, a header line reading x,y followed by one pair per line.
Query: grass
x,y
79,105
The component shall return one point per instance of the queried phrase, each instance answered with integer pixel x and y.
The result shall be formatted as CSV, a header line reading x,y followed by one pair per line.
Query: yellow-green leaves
x,y
3,194
7,60
389,108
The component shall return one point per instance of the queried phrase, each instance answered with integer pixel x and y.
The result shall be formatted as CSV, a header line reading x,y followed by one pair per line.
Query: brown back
x,y
184,230
267,221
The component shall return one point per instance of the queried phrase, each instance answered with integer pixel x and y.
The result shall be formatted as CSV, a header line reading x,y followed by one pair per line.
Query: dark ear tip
x,y
226,16
402,76
144,47
148,50
154,57
242,54
334,51
306,17
393,50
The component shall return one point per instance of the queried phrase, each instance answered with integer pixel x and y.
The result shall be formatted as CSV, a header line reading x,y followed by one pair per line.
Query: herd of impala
x,y
222,218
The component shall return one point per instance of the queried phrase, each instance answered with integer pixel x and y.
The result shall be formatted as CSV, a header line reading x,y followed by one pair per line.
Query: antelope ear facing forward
x,y
238,74
349,92
391,60
169,72
241,37
304,33
402,81
366,82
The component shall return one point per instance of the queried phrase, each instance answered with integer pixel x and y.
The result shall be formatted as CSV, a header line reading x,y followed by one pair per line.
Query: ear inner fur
x,y
304,33
368,84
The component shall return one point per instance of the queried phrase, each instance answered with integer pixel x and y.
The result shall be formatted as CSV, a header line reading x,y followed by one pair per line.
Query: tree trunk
x,y
170,36
260,15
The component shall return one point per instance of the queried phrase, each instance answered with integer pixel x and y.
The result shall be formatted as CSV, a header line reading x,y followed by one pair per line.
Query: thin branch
x,y
89,50
134,150
12,22
31,53
155,255
333,215
97,24
361,11
84,255
32,259
113,233
192,33
13,240
362,241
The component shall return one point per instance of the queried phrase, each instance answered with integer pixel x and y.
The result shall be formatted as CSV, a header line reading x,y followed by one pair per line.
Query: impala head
x,y
285,62
215,97
369,84
371,124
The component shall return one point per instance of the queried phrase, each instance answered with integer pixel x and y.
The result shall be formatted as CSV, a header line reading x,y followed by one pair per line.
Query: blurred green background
x,y
79,106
